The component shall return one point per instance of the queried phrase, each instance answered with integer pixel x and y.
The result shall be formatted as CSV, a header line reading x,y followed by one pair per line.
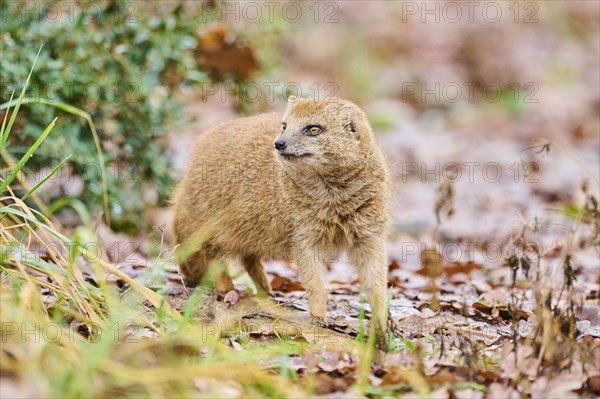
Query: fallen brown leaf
x,y
324,383
460,267
446,376
284,284
223,54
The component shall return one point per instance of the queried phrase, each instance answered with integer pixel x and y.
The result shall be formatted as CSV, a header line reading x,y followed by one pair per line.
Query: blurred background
x,y
489,114
473,92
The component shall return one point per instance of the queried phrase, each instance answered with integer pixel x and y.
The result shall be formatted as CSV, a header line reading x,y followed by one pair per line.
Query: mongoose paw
x,y
318,321
190,282
382,341
223,284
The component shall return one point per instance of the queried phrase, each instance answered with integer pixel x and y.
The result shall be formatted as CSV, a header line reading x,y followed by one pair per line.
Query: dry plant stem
x,y
155,299
564,150
73,287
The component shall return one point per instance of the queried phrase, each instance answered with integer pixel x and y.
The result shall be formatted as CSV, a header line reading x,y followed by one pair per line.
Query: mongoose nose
x,y
280,145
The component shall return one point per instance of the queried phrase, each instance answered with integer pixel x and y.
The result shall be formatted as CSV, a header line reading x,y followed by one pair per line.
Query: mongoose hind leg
x,y
256,271
195,267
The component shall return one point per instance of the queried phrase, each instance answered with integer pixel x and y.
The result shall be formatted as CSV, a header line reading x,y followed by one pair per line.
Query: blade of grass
x,y
55,233
45,179
2,130
13,116
22,178
74,203
27,155
31,259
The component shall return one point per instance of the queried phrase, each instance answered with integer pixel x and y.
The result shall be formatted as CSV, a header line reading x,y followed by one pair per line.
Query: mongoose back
x,y
300,186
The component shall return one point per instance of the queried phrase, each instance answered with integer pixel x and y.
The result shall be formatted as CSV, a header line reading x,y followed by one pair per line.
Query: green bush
x,y
118,61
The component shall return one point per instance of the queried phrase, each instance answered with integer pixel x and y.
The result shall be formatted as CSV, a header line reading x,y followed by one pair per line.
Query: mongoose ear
x,y
350,119
293,99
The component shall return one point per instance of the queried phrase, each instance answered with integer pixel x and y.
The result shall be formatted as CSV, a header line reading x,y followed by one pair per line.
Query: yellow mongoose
x,y
298,186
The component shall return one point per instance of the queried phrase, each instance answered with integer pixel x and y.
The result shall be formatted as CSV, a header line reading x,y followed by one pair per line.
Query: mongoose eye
x,y
283,126
313,130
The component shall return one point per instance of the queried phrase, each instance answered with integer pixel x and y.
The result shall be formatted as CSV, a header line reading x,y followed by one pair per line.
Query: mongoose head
x,y
331,134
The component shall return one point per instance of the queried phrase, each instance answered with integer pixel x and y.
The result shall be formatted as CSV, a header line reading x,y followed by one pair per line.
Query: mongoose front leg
x,y
311,272
370,259
256,271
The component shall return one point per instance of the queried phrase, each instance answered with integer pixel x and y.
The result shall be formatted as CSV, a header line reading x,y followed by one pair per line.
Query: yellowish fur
x,y
249,201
